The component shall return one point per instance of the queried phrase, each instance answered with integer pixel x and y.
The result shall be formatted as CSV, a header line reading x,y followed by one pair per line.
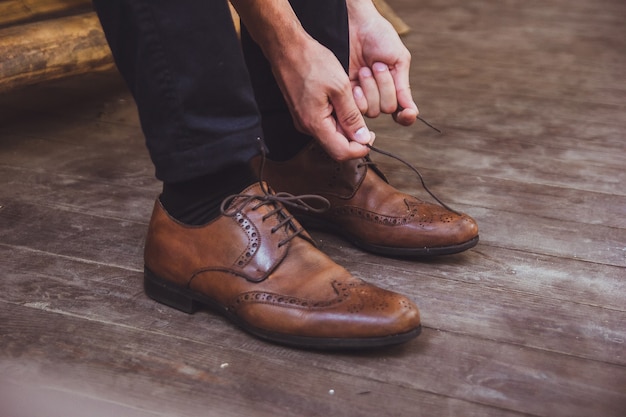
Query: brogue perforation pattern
x,y
356,295
253,239
342,289
375,217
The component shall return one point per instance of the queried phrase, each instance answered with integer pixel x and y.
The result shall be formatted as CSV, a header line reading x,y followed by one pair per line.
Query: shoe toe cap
x,y
360,310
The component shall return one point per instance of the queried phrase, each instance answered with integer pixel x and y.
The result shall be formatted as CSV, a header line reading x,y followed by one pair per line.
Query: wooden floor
x,y
531,97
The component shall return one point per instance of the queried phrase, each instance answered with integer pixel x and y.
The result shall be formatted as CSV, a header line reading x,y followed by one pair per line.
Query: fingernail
x,y
358,92
379,67
362,135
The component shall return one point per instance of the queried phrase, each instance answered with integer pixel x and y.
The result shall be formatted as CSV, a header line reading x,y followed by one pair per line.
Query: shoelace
x,y
408,164
282,199
235,203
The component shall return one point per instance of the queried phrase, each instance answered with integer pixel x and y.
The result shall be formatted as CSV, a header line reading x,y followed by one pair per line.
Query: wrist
x,y
361,10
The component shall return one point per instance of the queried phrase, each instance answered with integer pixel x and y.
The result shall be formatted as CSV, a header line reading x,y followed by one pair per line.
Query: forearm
x,y
274,26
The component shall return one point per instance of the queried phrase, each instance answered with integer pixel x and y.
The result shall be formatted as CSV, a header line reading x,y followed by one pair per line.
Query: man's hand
x,y
379,65
319,95
316,88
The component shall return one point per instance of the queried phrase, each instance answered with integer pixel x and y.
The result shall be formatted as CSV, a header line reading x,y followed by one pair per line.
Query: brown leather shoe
x,y
366,209
259,268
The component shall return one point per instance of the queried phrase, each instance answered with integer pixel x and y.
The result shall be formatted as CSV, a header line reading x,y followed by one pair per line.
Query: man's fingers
x,y
349,117
407,109
405,117
386,87
382,90
333,139
360,99
370,90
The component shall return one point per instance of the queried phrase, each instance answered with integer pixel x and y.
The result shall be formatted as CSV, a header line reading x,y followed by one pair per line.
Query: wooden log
x,y
16,11
52,49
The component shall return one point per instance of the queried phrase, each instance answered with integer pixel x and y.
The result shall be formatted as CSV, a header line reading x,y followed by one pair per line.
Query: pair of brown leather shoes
x,y
257,266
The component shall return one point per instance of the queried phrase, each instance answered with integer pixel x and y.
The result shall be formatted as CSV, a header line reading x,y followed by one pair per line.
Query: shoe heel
x,y
166,293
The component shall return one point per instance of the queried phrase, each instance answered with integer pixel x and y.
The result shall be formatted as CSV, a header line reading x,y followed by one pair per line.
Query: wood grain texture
x,y
17,11
51,49
531,322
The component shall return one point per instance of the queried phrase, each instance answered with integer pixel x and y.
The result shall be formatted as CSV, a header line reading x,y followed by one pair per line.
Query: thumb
x,y
350,119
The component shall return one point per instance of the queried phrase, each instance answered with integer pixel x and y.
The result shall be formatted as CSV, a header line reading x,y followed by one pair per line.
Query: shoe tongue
x,y
258,188
260,196
237,202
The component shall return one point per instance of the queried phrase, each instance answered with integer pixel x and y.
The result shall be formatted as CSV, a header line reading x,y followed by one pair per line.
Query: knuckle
x,y
352,117
372,113
389,107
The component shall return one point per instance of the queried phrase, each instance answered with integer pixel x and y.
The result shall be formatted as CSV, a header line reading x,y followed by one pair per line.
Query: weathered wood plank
x,y
509,195
97,239
482,158
93,196
491,156
539,80
529,51
564,20
498,269
134,204
566,74
32,398
79,300
534,116
114,165
60,47
537,235
519,316
481,373
191,376
99,197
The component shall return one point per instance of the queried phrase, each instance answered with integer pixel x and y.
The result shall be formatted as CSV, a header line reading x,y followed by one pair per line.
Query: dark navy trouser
x,y
203,97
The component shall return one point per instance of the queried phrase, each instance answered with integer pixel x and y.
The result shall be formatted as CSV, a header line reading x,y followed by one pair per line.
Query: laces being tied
x,y
235,204
397,158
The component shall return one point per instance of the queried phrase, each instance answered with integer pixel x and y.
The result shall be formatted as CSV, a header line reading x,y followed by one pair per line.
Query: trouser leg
x,y
327,22
183,64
